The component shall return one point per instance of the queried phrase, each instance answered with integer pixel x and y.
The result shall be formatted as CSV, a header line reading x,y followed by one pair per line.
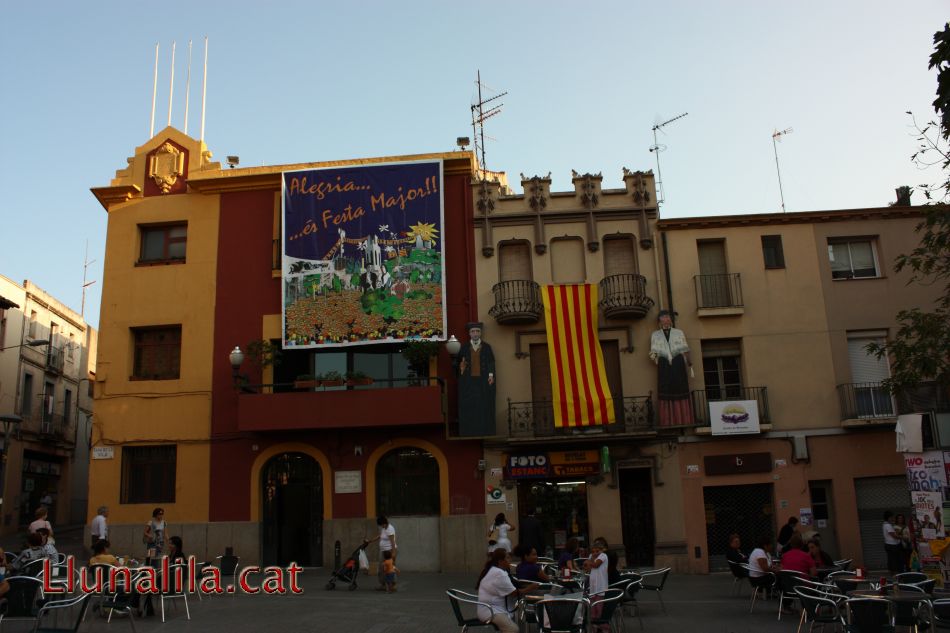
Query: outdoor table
x,y
579,614
899,597
822,572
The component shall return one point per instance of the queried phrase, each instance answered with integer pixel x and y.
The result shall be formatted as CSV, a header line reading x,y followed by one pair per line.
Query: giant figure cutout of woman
x,y
670,351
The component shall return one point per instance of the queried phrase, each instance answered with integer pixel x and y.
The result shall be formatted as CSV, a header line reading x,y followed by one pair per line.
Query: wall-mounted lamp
x,y
38,342
453,346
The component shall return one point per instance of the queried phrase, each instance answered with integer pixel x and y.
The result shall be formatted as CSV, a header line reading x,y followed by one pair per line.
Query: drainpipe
x,y
669,288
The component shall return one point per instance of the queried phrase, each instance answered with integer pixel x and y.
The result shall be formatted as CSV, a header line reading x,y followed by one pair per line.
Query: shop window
x,y
514,261
620,255
853,258
163,244
567,261
721,369
407,483
148,474
772,251
157,353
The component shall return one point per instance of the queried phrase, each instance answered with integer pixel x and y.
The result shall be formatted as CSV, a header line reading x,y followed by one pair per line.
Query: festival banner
x,y
925,471
363,255
581,396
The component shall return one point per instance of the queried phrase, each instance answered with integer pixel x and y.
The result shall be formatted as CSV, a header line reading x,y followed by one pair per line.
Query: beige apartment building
x,y
777,310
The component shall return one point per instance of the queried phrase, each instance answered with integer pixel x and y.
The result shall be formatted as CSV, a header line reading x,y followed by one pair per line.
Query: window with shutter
x,y
567,261
867,373
514,262
620,256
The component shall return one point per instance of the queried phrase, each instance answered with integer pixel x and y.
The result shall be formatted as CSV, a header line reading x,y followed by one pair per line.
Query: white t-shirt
x,y
758,554
598,576
99,527
385,542
494,590
888,539
40,523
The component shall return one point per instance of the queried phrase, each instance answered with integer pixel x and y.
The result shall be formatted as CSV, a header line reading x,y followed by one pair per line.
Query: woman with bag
x,y
498,534
154,535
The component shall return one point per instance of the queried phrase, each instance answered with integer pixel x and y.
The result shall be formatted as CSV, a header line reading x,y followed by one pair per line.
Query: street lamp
x,y
453,346
37,342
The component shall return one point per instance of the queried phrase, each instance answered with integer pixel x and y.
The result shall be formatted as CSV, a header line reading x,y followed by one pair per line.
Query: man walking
x,y
100,527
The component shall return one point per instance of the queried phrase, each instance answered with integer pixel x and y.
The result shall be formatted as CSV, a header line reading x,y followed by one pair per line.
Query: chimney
x,y
903,196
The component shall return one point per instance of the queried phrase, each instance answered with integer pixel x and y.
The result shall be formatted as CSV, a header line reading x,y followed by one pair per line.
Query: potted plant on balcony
x,y
305,381
418,354
358,378
263,353
331,379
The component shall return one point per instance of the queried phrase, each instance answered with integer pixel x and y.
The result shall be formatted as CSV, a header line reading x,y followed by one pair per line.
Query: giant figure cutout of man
x,y
476,376
670,351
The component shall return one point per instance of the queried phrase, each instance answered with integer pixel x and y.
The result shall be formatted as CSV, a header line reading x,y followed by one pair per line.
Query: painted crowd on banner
x,y
363,255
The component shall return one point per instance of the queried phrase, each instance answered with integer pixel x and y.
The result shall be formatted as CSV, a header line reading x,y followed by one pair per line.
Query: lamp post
x,y
39,342
453,346
237,359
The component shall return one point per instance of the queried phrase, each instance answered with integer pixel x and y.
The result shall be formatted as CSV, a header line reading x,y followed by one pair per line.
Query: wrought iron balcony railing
x,y
865,401
55,360
517,302
718,291
702,397
624,296
536,419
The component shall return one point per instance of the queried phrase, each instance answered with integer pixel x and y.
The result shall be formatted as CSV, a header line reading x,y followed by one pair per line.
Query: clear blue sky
x,y
309,81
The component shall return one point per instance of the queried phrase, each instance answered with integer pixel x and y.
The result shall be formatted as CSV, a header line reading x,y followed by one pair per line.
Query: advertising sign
x,y
734,417
495,494
574,463
363,255
527,466
925,471
927,513
347,481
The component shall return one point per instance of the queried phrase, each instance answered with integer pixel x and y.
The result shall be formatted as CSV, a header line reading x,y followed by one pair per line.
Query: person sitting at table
x,y
494,587
529,568
821,557
175,551
796,559
101,555
566,559
48,546
4,585
760,563
34,552
734,556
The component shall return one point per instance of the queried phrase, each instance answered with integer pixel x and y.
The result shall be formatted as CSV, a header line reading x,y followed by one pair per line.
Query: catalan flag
x,y
578,378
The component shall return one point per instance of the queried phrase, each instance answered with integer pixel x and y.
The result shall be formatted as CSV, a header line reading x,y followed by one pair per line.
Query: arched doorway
x,y
292,510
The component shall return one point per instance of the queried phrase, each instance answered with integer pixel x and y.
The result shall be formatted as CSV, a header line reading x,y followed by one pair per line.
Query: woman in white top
x,y
498,532
41,521
760,564
494,589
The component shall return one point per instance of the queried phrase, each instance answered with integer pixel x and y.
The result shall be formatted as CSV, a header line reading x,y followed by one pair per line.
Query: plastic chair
x,y
739,574
868,615
21,599
177,587
817,608
654,580
604,609
457,598
562,615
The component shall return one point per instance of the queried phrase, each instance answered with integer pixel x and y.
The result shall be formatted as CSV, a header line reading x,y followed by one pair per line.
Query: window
x,y
3,328
148,474
26,405
32,331
70,348
853,259
407,483
157,353
715,288
721,369
163,243
772,251
871,398
514,261
567,261
67,405
620,255
49,393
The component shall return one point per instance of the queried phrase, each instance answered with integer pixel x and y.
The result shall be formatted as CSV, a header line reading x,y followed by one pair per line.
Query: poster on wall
x,y
925,471
734,417
927,513
363,255
495,494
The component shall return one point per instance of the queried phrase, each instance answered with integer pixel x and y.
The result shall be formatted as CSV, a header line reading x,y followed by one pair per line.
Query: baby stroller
x,y
349,571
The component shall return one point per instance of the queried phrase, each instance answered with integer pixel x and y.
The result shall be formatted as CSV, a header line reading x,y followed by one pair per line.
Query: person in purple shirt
x,y
529,568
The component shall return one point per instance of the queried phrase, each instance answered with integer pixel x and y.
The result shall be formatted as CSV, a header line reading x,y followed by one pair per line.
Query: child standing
x,y
389,570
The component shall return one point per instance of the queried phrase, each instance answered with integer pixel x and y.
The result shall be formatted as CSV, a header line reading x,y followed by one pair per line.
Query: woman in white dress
x,y
498,534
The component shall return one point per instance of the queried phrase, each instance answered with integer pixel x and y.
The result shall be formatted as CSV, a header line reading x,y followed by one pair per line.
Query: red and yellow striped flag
x,y
578,379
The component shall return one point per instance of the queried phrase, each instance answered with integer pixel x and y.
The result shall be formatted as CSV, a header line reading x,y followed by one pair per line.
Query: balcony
x,y
624,297
866,401
719,295
385,403
52,425
55,360
702,397
535,420
517,302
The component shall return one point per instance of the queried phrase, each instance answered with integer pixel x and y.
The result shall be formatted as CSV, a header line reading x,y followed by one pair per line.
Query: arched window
x,y
407,482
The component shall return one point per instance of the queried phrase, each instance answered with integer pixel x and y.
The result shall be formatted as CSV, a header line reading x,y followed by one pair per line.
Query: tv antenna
x,y
85,284
657,148
777,137
479,115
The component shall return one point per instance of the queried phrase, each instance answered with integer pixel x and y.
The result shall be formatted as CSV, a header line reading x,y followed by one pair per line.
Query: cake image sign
x,y
734,417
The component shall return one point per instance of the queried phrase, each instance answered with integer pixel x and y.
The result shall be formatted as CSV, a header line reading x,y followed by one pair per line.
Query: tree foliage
x,y
920,349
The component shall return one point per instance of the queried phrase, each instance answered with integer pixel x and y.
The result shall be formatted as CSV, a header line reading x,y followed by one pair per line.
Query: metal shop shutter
x,y
874,496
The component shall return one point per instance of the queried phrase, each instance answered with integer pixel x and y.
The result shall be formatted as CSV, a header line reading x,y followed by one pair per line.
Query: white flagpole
x,y
188,87
151,125
204,90
171,86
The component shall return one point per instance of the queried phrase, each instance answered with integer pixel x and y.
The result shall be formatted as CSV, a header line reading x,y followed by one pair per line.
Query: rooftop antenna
x,y
85,284
479,115
656,149
171,86
777,136
151,125
204,89
188,88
